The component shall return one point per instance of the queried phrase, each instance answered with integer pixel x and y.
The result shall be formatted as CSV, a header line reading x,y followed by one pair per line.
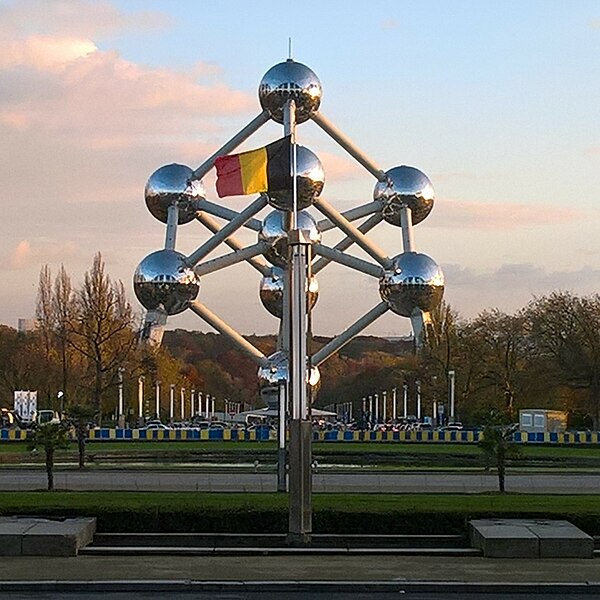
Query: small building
x,y
539,420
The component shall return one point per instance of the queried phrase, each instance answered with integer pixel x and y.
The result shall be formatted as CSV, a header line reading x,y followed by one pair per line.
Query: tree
x,y
565,334
52,437
80,416
63,310
496,442
104,333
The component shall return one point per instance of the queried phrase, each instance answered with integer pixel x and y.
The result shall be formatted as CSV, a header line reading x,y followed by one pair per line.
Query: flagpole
x,y
300,475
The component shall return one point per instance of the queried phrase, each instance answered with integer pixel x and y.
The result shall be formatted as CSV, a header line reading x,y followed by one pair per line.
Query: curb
x,y
281,587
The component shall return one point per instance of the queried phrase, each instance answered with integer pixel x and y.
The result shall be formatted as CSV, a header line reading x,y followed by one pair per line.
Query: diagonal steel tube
x,y
227,230
211,208
243,344
348,241
233,258
353,214
348,145
232,144
348,260
343,338
232,242
353,232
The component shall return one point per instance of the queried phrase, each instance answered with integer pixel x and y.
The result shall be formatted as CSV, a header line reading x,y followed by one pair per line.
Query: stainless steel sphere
x,y
409,187
278,371
169,185
271,291
414,281
164,281
290,80
310,178
275,231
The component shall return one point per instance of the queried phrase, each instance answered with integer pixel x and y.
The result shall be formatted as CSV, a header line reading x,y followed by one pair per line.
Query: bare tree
x,y
64,313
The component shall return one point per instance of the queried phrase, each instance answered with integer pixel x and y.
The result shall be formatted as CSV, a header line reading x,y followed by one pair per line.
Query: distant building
x,y
25,325
537,420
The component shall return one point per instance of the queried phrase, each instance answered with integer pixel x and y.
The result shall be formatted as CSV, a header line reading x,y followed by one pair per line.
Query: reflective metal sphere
x,y
274,230
163,280
407,187
290,80
170,184
278,371
310,178
271,291
414,281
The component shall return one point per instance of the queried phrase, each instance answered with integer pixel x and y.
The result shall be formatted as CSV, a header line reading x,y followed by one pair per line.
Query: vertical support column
x,y
408,239
384,394
376,409
182,403
394,405
405,400
371,411
193,403
300,474
172,222
418,400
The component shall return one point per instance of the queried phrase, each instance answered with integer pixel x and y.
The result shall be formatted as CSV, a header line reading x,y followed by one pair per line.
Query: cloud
x,y
499,215
593,151
339,168
390,23
44,52
594,23
511,286
90,18
25,255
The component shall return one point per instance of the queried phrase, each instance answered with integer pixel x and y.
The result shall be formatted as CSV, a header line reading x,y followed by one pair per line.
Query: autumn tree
x,y
51,437
565,333
104,331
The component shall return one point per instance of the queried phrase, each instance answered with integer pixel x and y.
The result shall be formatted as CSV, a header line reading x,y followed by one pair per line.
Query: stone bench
x,y
529,538
37,536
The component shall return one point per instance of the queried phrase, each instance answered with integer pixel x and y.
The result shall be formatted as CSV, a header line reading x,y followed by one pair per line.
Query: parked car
x,y
156,426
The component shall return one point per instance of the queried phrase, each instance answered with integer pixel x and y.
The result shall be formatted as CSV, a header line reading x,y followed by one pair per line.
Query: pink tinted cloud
x,y
339,168
90,18
500,215
26,254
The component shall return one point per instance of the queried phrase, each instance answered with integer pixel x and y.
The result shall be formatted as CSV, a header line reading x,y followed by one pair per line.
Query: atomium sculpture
x,y
410,284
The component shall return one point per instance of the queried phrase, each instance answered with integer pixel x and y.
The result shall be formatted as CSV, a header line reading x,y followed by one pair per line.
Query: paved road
x,y
297,596
376,482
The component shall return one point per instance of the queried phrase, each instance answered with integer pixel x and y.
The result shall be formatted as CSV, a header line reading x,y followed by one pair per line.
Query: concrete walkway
x,y
363,568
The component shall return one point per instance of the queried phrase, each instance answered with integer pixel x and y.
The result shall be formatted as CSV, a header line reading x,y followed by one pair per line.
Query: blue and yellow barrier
x,y
261,435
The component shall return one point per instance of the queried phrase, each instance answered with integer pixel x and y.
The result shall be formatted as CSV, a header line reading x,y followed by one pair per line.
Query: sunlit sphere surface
x,y
274,231
271,291
278,371
164,281
290,80
171,185
310,182
415,281
408,187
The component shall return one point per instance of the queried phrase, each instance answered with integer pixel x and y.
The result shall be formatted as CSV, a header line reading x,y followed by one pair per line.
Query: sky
x,y
497,102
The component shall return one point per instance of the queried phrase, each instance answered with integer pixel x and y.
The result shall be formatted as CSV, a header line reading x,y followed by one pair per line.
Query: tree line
x,y
544,355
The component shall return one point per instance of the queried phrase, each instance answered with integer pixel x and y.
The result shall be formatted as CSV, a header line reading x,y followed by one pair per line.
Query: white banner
x,y
26,404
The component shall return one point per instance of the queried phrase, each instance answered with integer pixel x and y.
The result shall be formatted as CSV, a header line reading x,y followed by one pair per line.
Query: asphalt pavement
x,y
380,482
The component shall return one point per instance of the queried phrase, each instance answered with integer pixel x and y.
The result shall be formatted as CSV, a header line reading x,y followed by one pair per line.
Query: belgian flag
x,y
266,169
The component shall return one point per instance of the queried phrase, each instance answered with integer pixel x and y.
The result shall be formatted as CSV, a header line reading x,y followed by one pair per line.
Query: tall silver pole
x,y
121,413
418,400
384,394
405,399
172,403
157,400
172,222
394,405
182,403
281,451
451,385
377,409
141,399
193,403
300,479
371,410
